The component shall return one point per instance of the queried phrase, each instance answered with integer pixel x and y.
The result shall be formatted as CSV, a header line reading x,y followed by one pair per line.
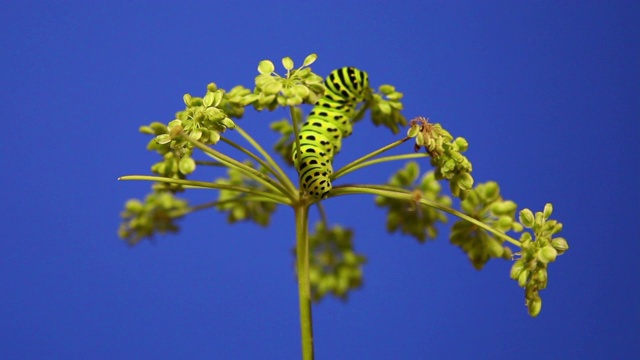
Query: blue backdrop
x,y
547,93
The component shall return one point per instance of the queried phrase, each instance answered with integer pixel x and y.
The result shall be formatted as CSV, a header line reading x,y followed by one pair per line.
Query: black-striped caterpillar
x,y
330,120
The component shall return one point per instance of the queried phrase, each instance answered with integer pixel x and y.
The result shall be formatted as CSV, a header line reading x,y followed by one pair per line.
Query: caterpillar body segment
x,y
330,120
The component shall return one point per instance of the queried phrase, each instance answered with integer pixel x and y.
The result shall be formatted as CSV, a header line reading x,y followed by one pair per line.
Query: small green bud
x,y
214,137
547,254
187,99
525,239
133,206
413,131
262,80
495,249
146,130
294,100
517,227
548,209
384,107
523,277
556,228
504,222
303,73
394,100
163,139
508,253
539,220
504,208
535,306
287,63
301,90
266,67
214,114
187,165
196,134
387,89
228,123
490,191
541,278
465,181
462,144
420,139
217,99
287,92
526,218
560,244
158,127
207,101
468,206
516,269
272,88
310,59
249,99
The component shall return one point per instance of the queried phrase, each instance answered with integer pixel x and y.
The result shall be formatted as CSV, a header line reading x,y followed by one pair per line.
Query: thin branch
x,y
395,193
245,169
347,168
209,185
273,166
296,131
344,172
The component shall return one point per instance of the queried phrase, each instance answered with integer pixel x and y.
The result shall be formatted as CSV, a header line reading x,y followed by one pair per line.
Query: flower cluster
x,y
530,270
240,206
446,154
202,120
156,214
409,218
385,108
298,86
334,268
485,204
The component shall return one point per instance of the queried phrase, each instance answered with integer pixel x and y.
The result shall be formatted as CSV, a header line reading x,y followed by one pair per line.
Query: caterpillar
x,y
329,121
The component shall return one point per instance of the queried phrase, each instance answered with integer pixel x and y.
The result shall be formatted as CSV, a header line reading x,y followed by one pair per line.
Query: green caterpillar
x,y
330,120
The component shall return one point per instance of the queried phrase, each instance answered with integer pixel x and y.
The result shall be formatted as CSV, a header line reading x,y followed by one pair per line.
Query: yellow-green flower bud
x,y
535,306
547,254
560,244
548,209
526,218
310,59
523,278
504,208
266,67
287,63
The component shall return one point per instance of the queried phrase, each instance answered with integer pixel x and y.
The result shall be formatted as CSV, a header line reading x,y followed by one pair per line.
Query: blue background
x,y
547,93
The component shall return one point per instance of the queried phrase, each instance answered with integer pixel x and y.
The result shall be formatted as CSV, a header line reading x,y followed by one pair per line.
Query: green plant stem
x,y
392,192
304,288
323,214
209,163
348,168
265,196
379,161
245,169
211,204
276,170
295,122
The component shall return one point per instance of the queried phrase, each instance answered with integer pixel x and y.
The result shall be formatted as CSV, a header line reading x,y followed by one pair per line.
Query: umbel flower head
x,y
530,270
298,86
446,154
